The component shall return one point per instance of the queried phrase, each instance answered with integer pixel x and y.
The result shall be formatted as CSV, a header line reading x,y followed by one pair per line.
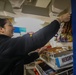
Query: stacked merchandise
x,y
58,56
64,36
35,71
65,33
48,70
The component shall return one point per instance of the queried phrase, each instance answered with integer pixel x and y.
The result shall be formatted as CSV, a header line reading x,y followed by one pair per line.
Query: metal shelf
x,y
55,66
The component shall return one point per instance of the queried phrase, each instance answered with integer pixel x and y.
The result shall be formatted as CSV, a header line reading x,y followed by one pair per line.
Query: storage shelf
x,y
40,71
60,44
55,66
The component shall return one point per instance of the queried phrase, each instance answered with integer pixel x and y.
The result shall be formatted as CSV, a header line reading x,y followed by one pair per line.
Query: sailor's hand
x,y
64,18
41,50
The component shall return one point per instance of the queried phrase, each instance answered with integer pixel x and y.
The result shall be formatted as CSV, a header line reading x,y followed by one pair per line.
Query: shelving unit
x,y
59,70
40,70
37,67
62,70
54,66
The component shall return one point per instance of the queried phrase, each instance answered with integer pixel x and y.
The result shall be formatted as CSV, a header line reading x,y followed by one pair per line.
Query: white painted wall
x,y
31,24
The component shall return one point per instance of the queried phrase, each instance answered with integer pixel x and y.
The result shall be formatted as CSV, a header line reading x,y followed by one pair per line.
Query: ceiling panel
x,y
27,9
42,3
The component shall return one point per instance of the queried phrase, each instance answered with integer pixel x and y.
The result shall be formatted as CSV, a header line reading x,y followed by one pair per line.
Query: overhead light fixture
x,y
6,8
16,3
29,0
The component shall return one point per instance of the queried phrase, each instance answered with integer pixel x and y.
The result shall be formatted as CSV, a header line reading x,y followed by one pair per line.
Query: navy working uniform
x,y
14,51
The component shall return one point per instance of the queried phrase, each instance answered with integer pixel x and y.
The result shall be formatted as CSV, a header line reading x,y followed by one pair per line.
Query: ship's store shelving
x,y
54,64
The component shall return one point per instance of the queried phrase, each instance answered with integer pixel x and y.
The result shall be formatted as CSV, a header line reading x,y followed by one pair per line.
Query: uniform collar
x,y
4,36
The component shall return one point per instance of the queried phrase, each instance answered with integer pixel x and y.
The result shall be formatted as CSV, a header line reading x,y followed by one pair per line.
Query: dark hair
x,y
2,22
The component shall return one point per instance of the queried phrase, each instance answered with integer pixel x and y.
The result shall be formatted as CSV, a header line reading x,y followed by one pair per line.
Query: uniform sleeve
x,y
31,58
23,45
41,37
